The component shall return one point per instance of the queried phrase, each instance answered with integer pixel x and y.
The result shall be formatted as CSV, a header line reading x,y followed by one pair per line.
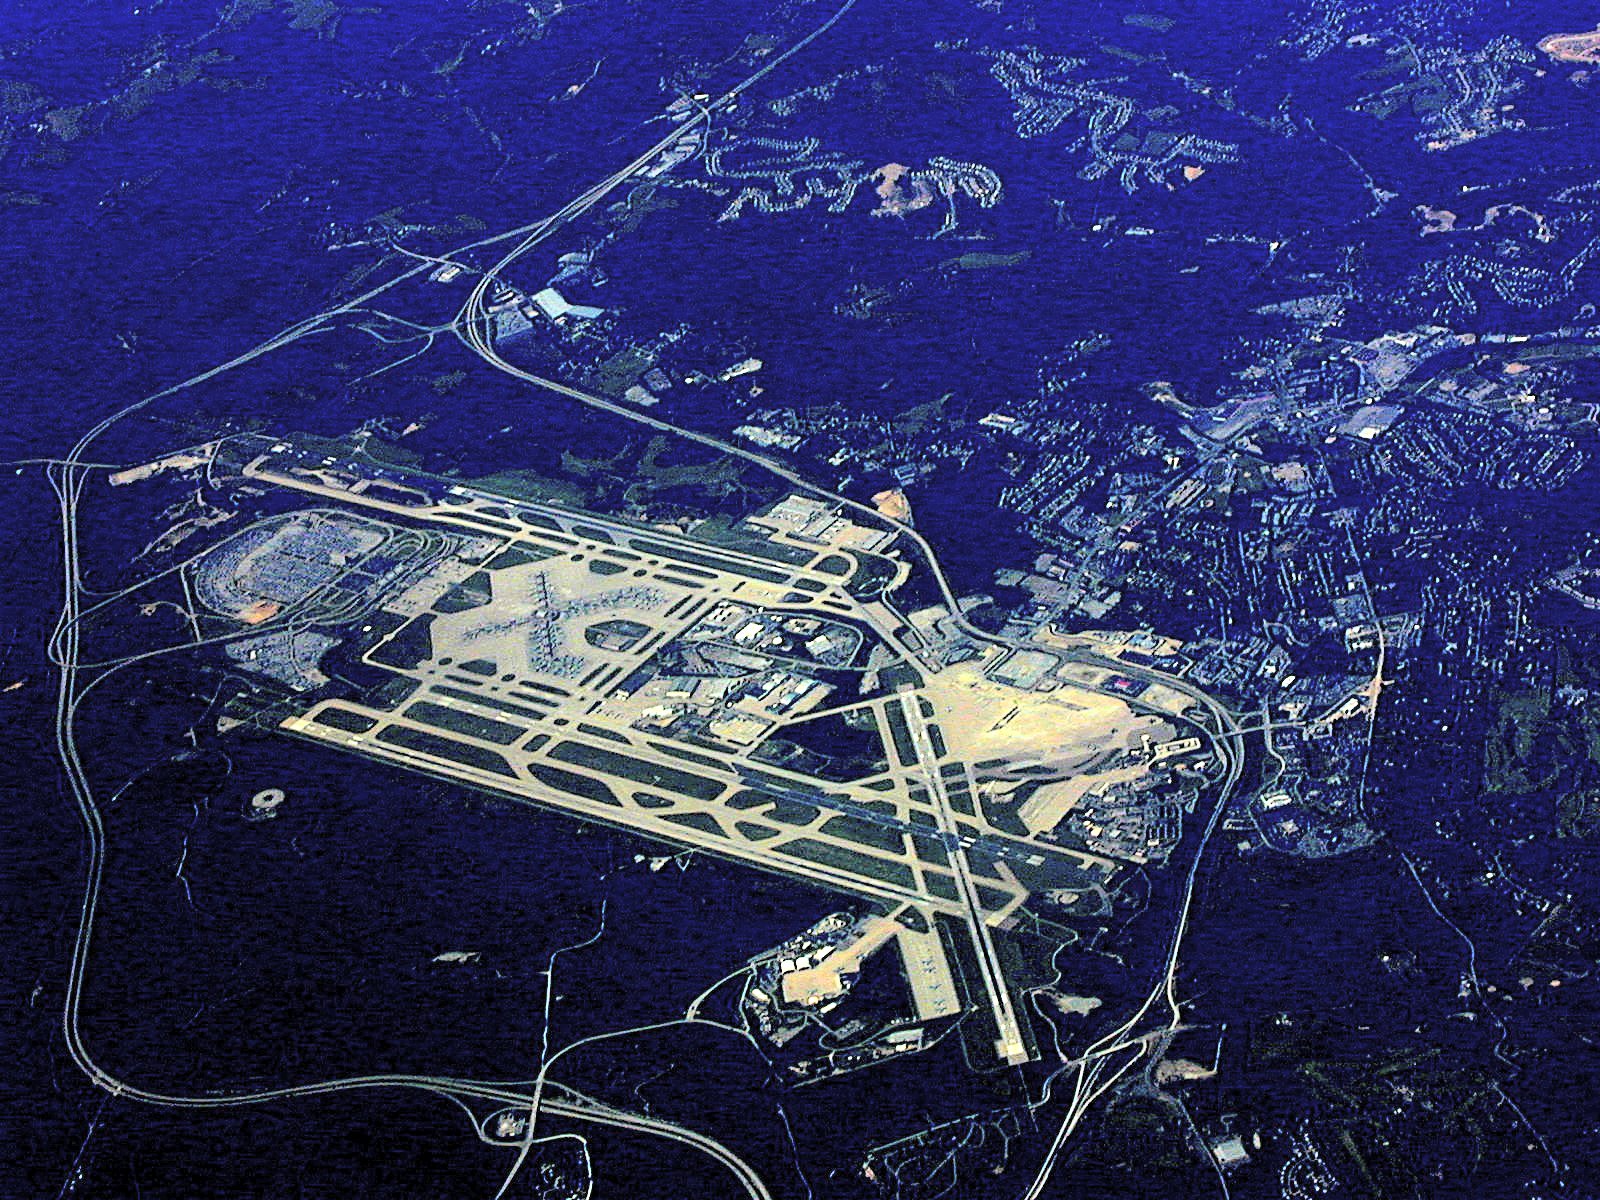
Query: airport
x,y
763,701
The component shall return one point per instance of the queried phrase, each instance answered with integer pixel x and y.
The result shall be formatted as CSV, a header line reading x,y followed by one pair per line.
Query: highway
x,y
67,477
1091,1080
